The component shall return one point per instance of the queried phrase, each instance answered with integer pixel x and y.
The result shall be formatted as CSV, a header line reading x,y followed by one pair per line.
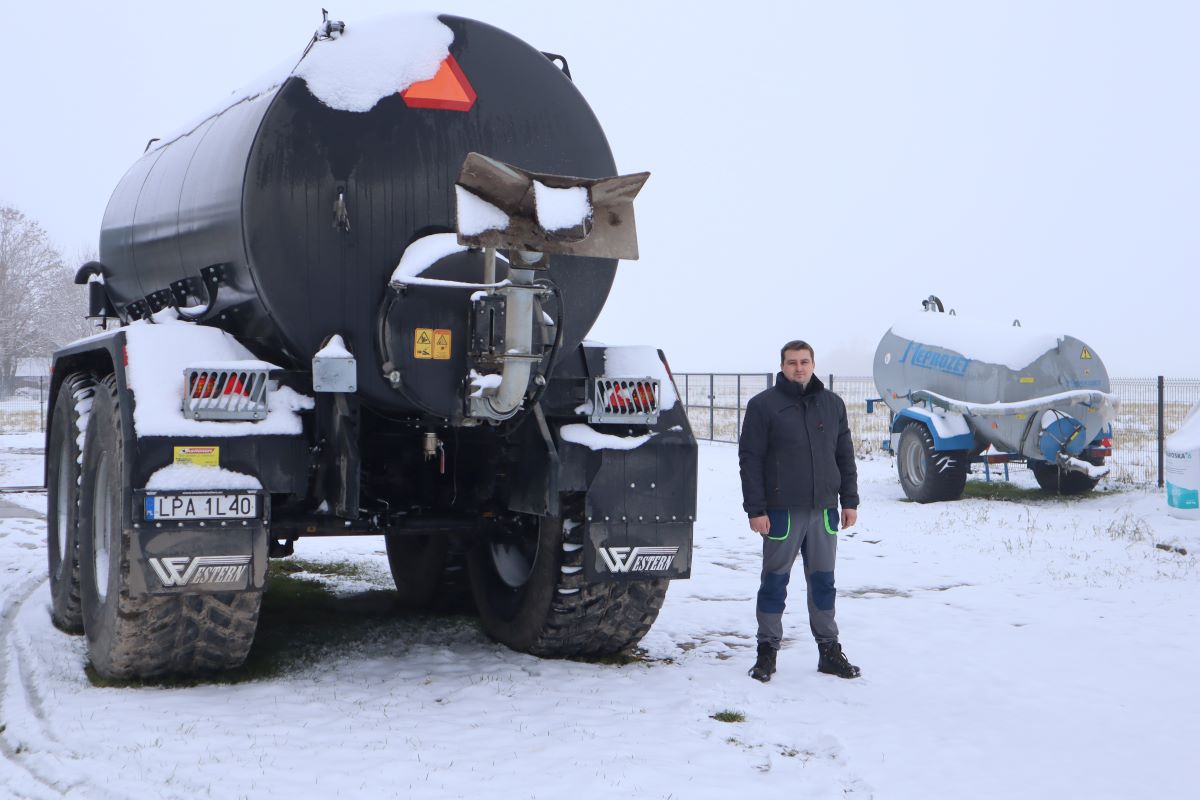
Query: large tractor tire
x,y
926,474
416,562
528,583
148,635
1053,478
68,427
429,572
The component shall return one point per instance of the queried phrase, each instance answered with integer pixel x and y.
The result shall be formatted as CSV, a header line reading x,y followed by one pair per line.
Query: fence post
x,y
737,432
830,386
712,411
41,404
1162,434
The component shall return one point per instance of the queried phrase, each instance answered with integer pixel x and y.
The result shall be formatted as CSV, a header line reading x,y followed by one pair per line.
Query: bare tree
x,y
39,303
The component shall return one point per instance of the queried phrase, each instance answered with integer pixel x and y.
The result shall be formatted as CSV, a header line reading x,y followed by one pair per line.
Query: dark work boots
x,y
834,662
764,667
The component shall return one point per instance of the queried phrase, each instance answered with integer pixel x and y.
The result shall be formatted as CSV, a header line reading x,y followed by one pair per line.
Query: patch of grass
x,y
635,656
729,716
1005,491
340,569
1130,527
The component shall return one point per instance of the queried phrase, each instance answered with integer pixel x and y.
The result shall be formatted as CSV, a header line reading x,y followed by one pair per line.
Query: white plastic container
x,y
1183,468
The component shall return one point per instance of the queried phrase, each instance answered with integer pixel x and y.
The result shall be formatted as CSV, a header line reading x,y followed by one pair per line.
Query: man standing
x,y
796,460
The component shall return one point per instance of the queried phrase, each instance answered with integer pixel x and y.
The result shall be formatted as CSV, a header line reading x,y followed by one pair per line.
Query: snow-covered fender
x,y
949,430
194,556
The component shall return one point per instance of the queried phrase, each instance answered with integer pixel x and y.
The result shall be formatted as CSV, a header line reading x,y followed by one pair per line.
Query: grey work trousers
x,y
813,535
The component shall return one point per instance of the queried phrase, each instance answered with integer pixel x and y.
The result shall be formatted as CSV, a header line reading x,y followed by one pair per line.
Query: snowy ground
x,y
1030,648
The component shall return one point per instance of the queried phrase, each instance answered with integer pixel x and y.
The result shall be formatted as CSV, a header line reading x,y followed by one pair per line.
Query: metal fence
x,y
23,405
1151,409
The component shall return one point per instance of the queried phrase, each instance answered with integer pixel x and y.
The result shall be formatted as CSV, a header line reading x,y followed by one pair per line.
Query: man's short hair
x,y
796,344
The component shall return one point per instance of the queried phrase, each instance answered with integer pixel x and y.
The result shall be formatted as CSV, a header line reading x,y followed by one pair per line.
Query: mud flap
x,y
195,558
639,509
198,561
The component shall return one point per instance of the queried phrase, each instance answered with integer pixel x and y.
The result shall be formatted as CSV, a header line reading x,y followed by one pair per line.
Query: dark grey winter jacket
x,y
795,449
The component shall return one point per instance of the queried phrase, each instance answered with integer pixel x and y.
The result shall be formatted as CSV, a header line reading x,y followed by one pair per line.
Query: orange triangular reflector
x,y
448,89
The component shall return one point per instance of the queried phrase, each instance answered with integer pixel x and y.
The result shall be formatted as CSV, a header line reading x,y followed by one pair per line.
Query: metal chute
x,y
609,231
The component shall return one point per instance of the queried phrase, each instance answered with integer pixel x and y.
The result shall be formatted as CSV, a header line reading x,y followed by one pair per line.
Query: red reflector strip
x,y
630,397
206,385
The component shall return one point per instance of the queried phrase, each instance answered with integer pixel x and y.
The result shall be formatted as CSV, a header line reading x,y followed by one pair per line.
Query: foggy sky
x,y
817,168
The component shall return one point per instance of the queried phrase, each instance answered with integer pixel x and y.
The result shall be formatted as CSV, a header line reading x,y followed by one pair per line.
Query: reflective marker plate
x,y
201,506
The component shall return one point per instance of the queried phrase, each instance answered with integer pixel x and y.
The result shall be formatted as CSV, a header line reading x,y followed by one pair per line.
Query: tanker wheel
x,y
528,583
144,636
1053,478
429,573
928,475
68,426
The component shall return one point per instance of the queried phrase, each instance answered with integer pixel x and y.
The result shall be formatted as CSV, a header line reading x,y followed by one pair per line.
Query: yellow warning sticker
x,y
441,344
423,343
1086,354
1027,379
198,456
1020,416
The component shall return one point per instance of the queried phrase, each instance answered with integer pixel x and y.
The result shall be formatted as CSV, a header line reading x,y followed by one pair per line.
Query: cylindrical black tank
x,y
253,189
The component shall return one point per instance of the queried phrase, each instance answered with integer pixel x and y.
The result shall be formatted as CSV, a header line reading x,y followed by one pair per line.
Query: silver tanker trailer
x,y
961,391
352,300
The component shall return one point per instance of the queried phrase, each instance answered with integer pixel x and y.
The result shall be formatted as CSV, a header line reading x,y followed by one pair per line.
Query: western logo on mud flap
x,y
638,559
208,570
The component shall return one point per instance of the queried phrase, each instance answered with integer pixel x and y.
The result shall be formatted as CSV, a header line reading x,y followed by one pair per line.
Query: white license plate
x,y
201,506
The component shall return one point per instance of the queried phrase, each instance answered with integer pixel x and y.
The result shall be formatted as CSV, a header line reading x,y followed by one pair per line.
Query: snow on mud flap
x,y
156,604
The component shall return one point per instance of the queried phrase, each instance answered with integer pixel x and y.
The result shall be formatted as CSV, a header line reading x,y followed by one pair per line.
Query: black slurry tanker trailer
x,y
353,301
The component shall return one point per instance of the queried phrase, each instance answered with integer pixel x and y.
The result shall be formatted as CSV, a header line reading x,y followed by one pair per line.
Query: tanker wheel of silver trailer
x,y
1054,478
927,474
528,582
142,635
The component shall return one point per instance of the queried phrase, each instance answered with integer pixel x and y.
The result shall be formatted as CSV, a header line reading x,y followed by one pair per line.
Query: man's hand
x,y
760,525
849,517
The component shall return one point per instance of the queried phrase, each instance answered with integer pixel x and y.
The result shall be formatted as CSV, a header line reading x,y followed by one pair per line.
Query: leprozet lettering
x,y
923,357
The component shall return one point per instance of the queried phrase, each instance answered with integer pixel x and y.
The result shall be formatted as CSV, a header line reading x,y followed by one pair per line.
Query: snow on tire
x,y
143,636
64,456
532,594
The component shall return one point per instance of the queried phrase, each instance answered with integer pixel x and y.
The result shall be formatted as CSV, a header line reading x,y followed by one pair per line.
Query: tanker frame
x,y
353,301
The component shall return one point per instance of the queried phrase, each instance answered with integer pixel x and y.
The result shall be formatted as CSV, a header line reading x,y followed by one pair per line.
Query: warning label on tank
x,y
198,456
423,343
441,344
1086,354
